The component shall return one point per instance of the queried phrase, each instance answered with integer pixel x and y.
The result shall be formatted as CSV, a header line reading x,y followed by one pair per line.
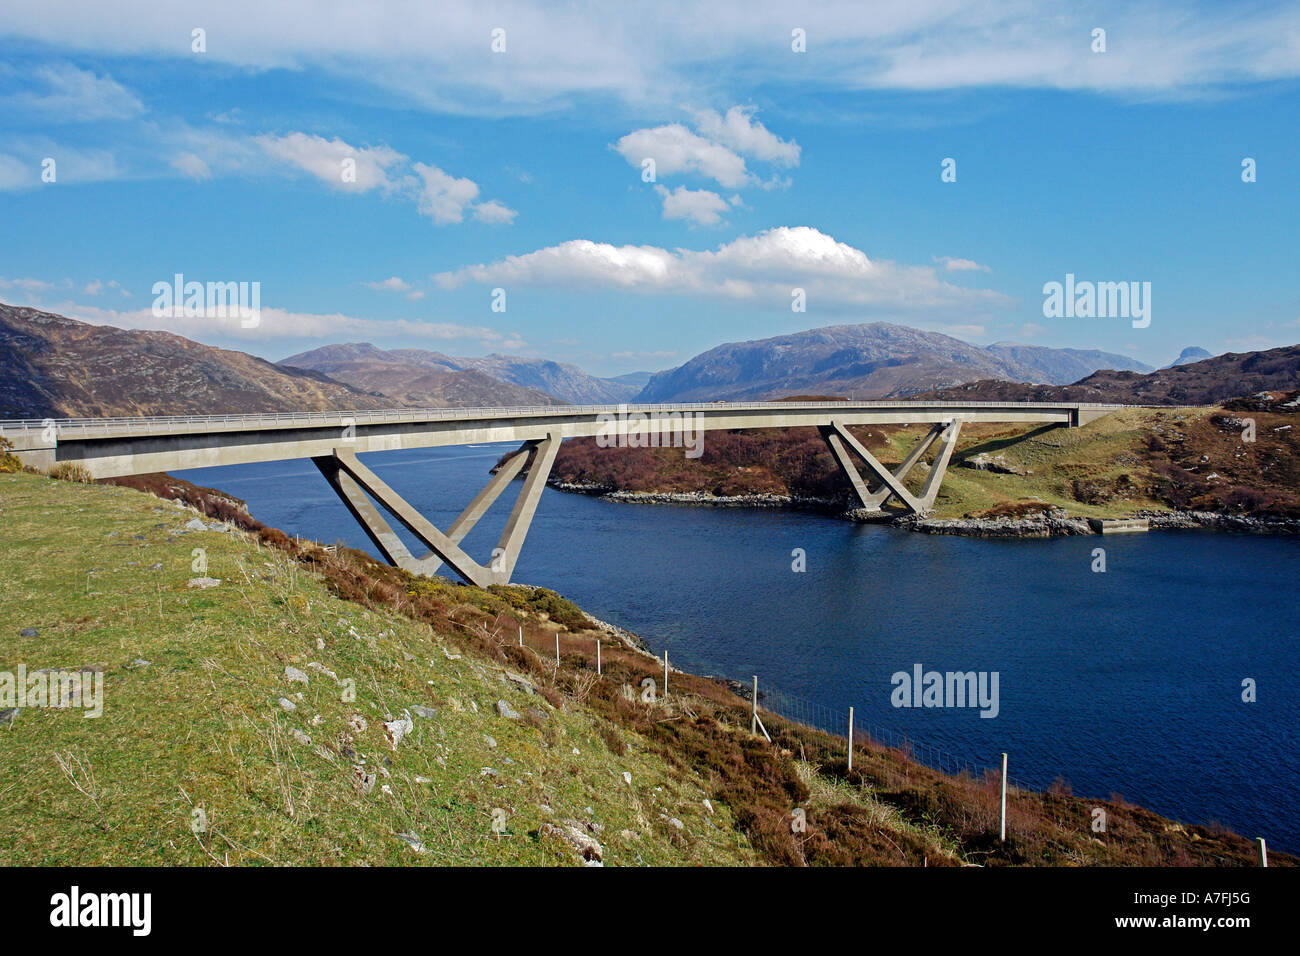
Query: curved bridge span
x,y
111,447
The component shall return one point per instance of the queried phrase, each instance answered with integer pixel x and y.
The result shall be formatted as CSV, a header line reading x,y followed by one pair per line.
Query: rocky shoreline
x,y
700,498
1054,522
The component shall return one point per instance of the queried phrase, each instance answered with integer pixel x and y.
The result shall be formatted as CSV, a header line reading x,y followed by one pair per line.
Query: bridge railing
x,y
166,423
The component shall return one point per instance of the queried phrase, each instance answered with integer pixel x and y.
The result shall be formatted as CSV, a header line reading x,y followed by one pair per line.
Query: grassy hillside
x,y
227,736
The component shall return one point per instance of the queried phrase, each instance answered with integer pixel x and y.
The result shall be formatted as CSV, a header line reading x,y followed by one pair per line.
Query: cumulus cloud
x,y
741,132
699,206
437,194
391,284
675,149
334,162
762,269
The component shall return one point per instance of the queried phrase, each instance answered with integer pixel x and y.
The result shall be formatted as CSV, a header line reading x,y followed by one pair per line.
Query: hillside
x,y
58,367
430,382
1206,382
879,360
1135,459
293,705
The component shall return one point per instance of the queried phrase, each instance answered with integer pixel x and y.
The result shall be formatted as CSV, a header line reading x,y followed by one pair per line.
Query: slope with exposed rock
x,y
53,366
879,360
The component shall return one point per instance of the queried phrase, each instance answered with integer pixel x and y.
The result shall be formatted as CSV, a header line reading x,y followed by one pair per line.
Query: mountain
x,y
1207,382
53,366
415,377
878,360
1189,355
566,382
1038,363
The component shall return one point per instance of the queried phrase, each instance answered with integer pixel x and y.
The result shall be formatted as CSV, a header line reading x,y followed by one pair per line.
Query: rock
x,y
523,682
138,663
627,778
295,676
412,841
29,632
299,736
204,582
505,710
366,781
490,740
677,824
396,730
194,524
155,567
9,715
708,806
287,704
997,464
324,670
428,713
588,849
357,723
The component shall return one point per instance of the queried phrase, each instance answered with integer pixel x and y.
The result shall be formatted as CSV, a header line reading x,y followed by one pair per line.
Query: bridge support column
x,y
843,446
356,484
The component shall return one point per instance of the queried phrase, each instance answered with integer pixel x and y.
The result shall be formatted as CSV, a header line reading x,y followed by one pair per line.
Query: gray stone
x,y
9,715
194,524
505,710
202,583
287,704
29,632
293,675
428,713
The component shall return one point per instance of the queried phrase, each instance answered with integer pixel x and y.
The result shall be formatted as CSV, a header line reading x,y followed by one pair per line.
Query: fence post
x,y
597,657
1263,851
521,635
1002,837
850,740
557,648
665,672
753,714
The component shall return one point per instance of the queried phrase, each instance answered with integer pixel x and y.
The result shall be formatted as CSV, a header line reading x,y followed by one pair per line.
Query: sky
x,y
473,178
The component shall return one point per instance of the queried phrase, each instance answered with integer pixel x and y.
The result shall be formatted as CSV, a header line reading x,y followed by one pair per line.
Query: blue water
x,y
1127,681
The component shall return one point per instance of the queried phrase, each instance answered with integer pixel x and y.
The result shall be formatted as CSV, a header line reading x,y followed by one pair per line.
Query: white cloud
x,y
282,324
1029,330
960,265
325,159
675,149
191,165
742,133
63,93
30,286
436,55
494,212
391,284
762,269
700,206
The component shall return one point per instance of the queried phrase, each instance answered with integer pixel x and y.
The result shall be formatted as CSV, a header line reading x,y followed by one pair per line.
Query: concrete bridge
x,y
111,447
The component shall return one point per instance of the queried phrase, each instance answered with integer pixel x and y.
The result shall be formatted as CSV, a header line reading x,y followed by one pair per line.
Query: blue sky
x,y
522,170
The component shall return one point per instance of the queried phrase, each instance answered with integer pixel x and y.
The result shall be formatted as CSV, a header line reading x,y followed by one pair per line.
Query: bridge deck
x,y
109,447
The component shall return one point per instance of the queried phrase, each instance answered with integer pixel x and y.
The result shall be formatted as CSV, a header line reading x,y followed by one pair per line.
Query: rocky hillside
x,y
879,360
58,367
1206,382
414,377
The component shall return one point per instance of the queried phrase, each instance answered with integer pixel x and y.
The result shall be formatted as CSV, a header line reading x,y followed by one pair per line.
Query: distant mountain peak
x,y
1192,353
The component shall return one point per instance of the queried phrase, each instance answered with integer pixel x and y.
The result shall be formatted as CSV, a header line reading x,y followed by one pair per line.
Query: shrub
x,y
67,471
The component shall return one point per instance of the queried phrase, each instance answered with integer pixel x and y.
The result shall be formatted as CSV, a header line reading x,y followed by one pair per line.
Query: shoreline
x,y
1055,522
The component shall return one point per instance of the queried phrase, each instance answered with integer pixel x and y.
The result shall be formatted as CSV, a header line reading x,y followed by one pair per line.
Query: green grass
x,y
201,728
